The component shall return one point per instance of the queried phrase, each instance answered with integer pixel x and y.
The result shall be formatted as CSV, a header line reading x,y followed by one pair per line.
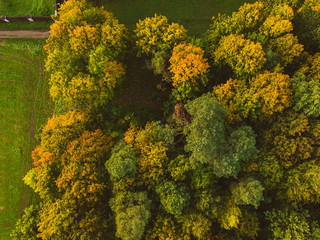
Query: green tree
x,y
206,132
208,141
291,224
122,161
303,183
248,191
132,214
174,197
307,95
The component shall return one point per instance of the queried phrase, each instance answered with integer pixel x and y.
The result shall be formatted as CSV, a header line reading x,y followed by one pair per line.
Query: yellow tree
x,y
81,37
274,91
245,57
156,35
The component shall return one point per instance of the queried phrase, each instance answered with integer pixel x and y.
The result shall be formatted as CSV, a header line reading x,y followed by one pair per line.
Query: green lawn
x,y
24,108
23,7
195,15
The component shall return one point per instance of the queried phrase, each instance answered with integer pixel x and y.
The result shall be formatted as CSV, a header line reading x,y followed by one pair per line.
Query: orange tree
x,y
70,179
189,69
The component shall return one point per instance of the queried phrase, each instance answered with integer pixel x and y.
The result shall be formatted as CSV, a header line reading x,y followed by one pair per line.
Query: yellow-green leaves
x,y
245,57
156,34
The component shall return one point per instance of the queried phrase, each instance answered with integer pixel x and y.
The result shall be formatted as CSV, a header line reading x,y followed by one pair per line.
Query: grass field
x,y
23,7
24,108
195,15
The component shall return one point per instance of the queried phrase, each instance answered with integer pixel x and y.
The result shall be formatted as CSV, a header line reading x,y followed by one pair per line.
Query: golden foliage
x,y
244,56
188,65
274,91
156,34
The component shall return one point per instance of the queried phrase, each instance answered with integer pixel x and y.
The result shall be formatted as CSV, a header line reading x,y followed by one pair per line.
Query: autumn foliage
x,y
235,155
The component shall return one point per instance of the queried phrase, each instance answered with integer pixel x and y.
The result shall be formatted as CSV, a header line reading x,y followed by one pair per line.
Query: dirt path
x,y
24,34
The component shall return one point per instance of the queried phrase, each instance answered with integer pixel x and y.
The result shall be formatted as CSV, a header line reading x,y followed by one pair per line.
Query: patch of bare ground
x,y
24,34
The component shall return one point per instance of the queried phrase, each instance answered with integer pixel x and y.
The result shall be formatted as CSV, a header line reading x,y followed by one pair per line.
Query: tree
x,y
278,22
287,48
248,17
274,91
189,69
156,35
195,224
245,57
242,142
132,210
56,134
248,191
174,197
290,224
307,95
165,227
207,115
82,36
208,141
83,177
152,164
179,168
303,183
271,170
249,224
237,98
229,215
307,24
26,227
122,161
290,138
275,26
152,144
76,211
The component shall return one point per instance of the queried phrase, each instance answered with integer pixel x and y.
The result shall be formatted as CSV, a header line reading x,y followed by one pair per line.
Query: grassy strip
x,y
23,108
43,26
195,15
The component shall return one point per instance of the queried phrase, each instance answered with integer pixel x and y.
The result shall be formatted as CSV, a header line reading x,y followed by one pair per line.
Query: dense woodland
x,y
233,153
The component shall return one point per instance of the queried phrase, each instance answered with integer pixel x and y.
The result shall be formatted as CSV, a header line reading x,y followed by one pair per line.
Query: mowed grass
x,y
194,15
20,7
24,107
15,7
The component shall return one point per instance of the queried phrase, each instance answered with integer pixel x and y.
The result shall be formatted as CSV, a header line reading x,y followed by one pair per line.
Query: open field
x,y
23,109
195,15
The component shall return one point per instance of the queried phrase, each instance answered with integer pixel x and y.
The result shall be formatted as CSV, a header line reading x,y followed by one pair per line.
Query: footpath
x,y
24,34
